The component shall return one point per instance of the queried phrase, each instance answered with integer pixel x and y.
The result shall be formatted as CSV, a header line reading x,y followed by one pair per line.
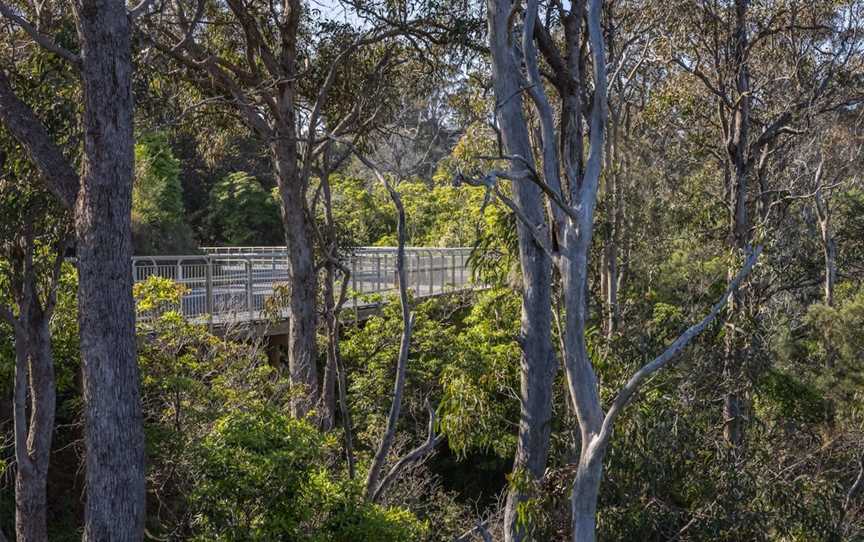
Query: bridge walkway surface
x,y
231,286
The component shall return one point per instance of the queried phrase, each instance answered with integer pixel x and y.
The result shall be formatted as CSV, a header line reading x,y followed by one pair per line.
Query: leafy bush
x,y
262,478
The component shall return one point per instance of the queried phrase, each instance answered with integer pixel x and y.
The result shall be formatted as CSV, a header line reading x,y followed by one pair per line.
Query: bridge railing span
x,y
235,283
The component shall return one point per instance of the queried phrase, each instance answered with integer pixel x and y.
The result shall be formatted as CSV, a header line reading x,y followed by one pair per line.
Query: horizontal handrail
x,y
284,250
236,286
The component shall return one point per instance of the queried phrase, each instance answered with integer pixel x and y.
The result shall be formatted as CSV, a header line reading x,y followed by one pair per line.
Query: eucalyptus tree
x,y
101,197
558,215
631,34
394,166
768,71
34,237
34,232
294,78
826,165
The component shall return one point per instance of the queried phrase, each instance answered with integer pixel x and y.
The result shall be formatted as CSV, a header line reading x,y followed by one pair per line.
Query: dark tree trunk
x,y
113,421
102,201
739,223
34,372
296,220
302,276
332,306
328,387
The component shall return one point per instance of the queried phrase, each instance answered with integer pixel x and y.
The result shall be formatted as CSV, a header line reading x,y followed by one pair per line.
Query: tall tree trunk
x,y
613,219
34,393
34,373
538,365
739,234
829,249
114,430
829,245
34,369
335,371
331,369
582,384
328,387
375,470
301,274
829,254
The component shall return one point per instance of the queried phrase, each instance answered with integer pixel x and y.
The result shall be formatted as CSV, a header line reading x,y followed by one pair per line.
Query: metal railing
x,y
234,283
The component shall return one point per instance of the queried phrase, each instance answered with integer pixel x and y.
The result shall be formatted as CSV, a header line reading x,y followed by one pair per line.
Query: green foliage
x,y
158,216
781,396
438,214
841,328
242,212
224,458
157,196
371,352
361,210
156,294
481,380
64,343
834,340
261,479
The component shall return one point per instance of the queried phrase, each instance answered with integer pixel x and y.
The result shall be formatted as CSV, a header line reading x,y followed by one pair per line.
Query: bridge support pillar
x,y
277,350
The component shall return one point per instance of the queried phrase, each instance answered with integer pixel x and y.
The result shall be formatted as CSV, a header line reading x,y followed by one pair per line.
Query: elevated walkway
x,y
229,287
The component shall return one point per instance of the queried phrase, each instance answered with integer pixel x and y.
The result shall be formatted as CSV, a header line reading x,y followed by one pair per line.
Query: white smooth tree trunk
x,y
538,363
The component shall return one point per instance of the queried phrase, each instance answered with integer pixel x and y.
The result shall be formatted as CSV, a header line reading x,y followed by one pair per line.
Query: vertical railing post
x,y
377,272
353,267
418,274
208,290
443,269
249,293
179,280
453,269
431,268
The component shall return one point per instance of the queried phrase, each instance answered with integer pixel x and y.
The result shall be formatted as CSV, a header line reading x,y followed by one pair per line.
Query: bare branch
x,y
539,231
635,382
414,456
481,528
372,483
551,169
856,486
25,127
324,91
44,41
